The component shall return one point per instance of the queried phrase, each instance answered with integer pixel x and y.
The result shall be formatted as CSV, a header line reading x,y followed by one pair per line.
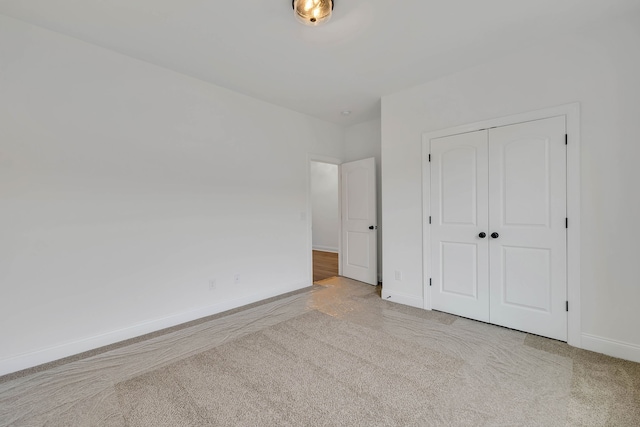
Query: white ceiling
x,y
370,48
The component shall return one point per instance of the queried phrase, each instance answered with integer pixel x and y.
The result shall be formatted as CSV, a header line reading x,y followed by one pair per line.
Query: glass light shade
x,y
313,12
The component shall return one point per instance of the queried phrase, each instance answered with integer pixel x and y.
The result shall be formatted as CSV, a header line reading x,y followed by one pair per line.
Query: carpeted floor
x,y
334,355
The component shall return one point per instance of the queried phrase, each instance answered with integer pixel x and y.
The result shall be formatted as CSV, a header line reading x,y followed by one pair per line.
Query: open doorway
x,y
342,202
325,214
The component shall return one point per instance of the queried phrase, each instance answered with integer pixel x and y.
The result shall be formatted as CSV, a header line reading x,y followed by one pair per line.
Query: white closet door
x,y
527,206
459,256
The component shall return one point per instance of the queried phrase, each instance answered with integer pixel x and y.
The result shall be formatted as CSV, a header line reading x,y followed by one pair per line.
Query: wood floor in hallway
x,y
325,265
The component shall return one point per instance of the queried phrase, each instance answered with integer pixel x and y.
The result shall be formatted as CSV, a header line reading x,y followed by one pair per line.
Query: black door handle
x,y
372,227
495,235
482,235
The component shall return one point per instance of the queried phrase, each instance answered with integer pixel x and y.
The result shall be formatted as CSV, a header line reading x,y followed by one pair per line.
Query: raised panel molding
x,y
537,208
452,275
455,199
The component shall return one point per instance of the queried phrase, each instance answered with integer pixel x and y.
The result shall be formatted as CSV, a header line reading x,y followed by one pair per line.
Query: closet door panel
x,y
527,210
459,257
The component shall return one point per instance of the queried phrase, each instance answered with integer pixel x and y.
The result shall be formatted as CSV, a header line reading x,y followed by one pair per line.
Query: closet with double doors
x,y
498,240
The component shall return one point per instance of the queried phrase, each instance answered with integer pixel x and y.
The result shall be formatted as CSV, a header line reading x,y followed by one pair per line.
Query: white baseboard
x,y
610,347
405,299
50,354
325,249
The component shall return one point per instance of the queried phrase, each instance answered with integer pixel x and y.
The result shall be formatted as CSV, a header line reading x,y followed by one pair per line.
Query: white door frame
x,y
572,114
332,161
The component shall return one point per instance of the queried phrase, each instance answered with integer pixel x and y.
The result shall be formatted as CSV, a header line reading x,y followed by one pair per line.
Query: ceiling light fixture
x,y
313,12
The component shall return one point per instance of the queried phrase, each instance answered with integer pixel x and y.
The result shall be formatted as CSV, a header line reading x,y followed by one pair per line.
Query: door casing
x,y
309,214
571,112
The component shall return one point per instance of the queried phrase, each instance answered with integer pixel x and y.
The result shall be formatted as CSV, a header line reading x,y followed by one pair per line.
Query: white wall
x,y
363,141
599,68
125,188
325,207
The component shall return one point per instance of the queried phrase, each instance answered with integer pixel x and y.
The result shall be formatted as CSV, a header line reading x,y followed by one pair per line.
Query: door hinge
x,y
429,157
567,305
429,220
429,281
566,139
566,223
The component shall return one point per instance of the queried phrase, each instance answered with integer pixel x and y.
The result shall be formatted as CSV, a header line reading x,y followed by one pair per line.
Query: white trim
x,y
610,347
574,325
561,110
326,249
324,159
426,212
404,299
572,114
50,354
334,161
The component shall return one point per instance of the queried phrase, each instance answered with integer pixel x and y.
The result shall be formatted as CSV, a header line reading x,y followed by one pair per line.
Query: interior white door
x,y
359,221
459,225
527,205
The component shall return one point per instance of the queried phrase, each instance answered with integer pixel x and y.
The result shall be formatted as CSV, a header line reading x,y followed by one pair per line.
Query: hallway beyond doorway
x,y
325,265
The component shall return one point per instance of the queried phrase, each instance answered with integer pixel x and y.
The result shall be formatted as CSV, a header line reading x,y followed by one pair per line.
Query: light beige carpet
x,y
333,355
318,370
